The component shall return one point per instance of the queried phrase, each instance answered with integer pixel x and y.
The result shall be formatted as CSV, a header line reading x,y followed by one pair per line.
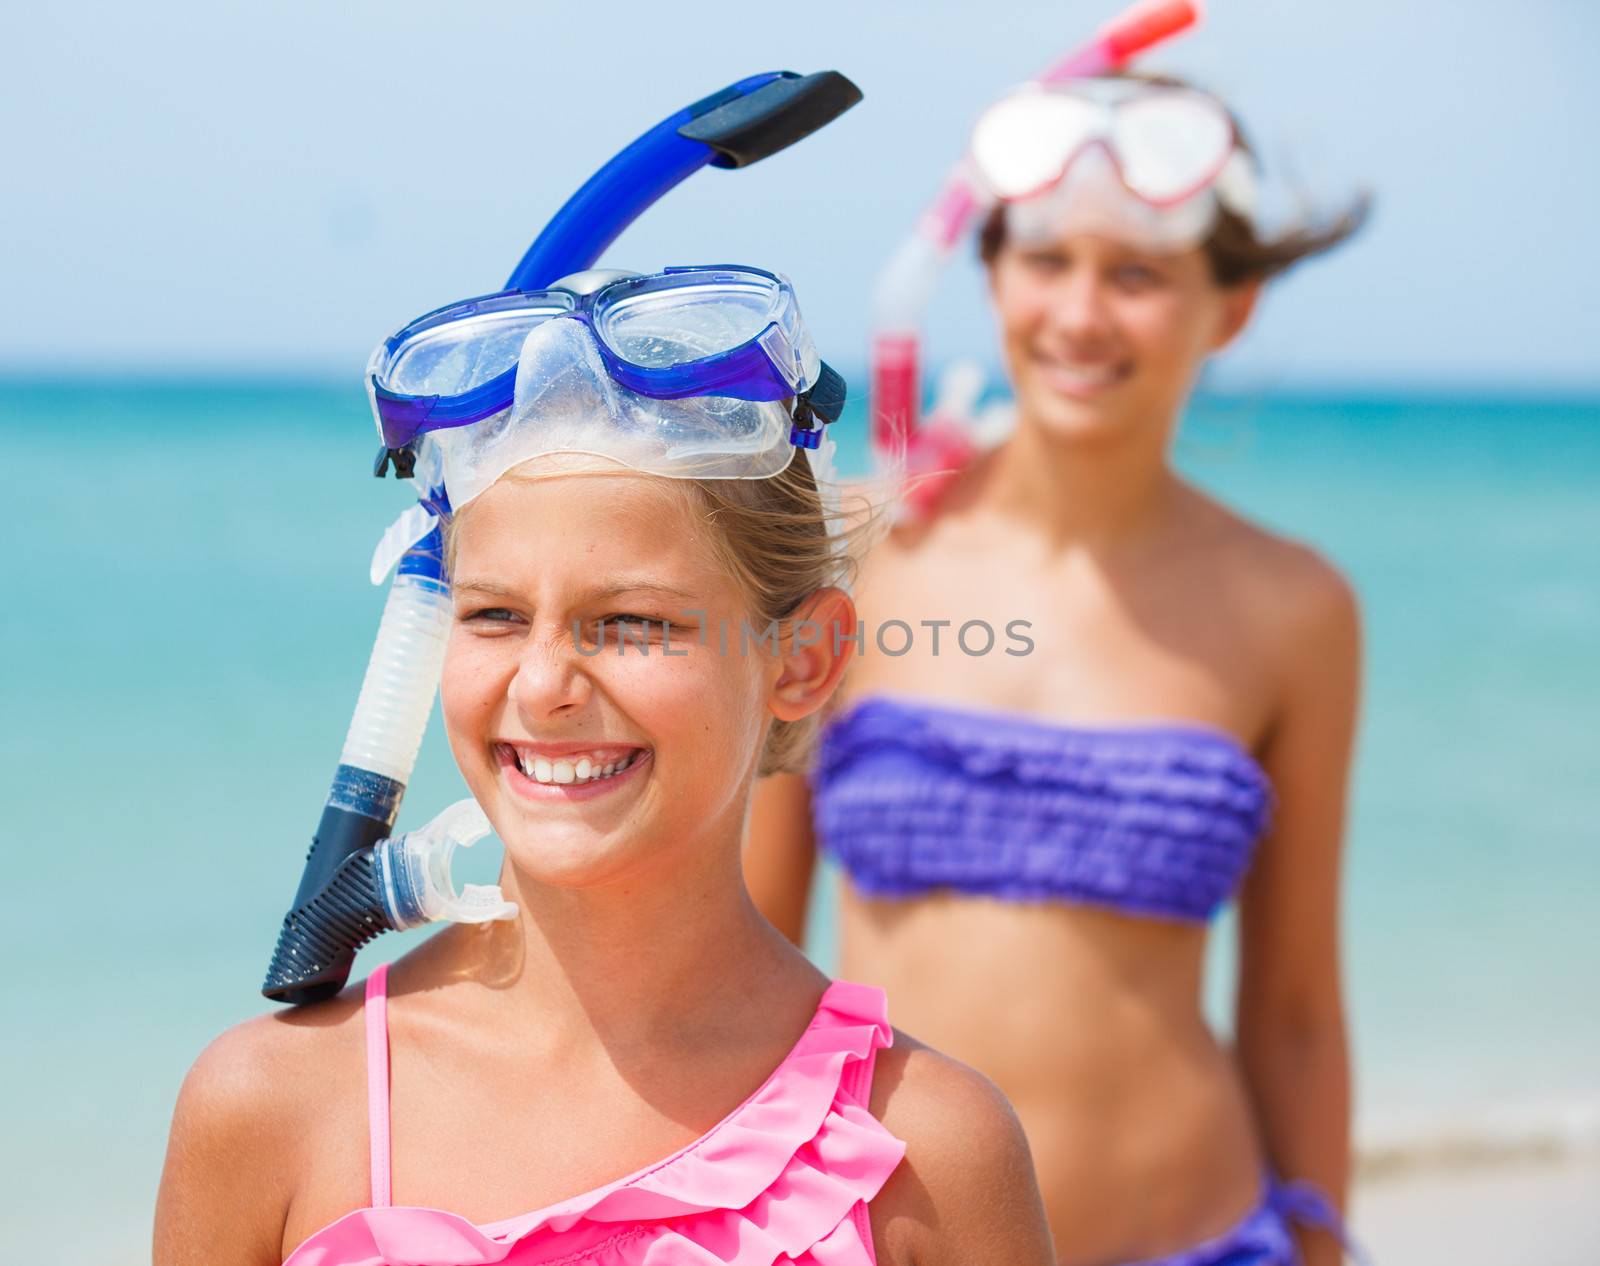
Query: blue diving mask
x,y
730,331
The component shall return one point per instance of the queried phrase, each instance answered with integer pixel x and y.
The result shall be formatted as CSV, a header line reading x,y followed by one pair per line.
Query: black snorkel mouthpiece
x,y
337,909
353,891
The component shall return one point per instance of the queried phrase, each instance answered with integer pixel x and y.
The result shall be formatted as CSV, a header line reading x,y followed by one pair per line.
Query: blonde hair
x,y
781,542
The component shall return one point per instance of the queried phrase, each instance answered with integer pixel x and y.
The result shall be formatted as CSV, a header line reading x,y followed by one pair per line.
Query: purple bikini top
x,y
1157,820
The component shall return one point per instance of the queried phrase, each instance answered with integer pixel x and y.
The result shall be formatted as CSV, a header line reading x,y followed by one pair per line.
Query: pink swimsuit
x,y
784,1178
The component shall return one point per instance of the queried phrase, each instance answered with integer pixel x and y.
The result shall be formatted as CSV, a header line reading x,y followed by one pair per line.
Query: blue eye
x,y
491,615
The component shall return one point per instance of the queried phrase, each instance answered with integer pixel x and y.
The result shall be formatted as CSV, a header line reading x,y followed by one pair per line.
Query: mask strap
x,y
820,403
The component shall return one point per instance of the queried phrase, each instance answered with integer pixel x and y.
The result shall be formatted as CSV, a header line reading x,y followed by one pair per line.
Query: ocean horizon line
x,y
254,381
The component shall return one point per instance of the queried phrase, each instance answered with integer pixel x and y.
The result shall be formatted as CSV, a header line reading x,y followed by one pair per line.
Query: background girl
x,y
1034,845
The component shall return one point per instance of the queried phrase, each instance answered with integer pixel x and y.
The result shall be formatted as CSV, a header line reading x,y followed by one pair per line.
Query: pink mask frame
x,y
1166,143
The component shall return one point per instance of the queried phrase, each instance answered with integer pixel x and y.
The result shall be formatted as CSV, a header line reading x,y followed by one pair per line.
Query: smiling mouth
x,y
1082,379
573,768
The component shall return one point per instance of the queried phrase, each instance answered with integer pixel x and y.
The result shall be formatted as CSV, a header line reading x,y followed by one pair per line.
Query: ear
x,y
822,639
1238,303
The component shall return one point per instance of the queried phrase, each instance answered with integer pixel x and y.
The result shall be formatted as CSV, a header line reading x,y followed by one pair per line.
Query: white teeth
x,y
566,772
1085,375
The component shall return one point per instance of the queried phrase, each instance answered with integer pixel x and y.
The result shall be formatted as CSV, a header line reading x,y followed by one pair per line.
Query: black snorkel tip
x,y
773,117
338,909
318,943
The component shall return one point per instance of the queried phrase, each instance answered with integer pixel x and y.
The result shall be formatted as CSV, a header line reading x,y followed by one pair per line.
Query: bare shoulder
x,y
244,1122
966,1191
260,1073
1287,582
931,1100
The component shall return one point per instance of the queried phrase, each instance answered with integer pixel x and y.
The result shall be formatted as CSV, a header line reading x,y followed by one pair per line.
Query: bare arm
x,y
966,1194
223,1193
1290,1020
780,852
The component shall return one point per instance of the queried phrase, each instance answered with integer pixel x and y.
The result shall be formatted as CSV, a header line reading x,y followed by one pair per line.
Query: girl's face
x,y
595,753
1104,339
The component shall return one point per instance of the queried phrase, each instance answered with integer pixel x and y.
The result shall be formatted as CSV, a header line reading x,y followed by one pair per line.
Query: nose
x,y
551,679
1080,309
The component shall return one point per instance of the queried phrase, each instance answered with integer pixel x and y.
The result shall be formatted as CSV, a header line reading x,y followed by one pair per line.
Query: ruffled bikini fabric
x,y
1265,1236
783,1179
1156,820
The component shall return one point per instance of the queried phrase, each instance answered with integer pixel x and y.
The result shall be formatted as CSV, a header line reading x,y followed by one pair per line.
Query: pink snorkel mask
x,y
1141,162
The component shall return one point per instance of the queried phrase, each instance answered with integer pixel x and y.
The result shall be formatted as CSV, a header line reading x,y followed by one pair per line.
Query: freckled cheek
x,y
472,685
697,700
666,690
641,683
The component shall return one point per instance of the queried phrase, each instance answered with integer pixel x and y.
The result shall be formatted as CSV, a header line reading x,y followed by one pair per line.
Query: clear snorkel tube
x,y
905,287
357,882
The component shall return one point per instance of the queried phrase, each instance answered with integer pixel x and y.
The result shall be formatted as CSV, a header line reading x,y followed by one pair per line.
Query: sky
x,y
269,189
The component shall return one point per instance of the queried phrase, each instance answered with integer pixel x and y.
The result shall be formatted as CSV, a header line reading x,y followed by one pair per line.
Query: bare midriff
x,y
1089,1021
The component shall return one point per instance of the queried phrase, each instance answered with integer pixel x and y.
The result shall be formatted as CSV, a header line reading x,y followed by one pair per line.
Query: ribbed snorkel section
x,y
397,693
339,905
320,938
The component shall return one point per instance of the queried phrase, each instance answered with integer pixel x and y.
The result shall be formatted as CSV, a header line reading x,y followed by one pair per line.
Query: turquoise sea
x,y
187,618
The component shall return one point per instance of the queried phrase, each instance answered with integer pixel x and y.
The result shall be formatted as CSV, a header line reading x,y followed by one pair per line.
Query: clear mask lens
x,y
567,403
465,347
1170,144
1167,143
696,316
1021,144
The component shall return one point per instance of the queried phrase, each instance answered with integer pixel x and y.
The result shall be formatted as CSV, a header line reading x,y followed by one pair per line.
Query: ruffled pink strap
x,y
785,1178
377,1016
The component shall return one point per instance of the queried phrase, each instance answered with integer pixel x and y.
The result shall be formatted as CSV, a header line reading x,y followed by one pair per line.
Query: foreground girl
x,y
638,1068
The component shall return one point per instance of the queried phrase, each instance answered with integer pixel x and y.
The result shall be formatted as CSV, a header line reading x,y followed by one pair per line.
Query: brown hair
x,y
1236,253
781,544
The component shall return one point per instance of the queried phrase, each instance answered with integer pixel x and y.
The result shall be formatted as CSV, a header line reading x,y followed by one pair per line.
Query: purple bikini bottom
x,y
1265,1236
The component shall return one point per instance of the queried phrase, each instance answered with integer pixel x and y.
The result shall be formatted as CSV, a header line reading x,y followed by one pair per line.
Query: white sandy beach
x,y
1504,1183
1520,1213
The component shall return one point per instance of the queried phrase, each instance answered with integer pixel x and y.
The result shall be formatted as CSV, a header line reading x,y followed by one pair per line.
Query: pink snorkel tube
x,y
906,284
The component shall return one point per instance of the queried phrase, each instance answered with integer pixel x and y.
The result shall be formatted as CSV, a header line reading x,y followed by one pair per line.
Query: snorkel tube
x,y
358,882
905,286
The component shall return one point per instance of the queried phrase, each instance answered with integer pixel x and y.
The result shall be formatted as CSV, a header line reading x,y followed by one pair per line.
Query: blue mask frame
x,y
750,371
